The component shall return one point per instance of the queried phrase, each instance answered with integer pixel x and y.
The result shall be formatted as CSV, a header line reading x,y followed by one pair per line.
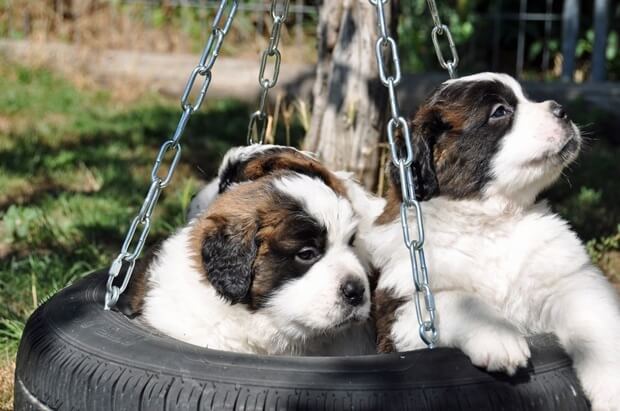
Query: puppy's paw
x,y
605,400
603,390
497,349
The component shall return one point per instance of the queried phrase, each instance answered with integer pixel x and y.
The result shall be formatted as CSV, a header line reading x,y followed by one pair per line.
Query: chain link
x,y
415,245
257,126
141,223
439,30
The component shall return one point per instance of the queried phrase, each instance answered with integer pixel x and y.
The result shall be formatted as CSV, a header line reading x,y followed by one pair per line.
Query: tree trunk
x,y
350,103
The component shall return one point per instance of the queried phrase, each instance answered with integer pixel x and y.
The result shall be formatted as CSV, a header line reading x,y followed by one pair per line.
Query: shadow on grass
x,y
120,140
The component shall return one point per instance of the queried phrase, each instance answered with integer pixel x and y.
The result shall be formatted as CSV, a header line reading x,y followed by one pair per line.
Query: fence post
x,y
601,9
548,21
521,38
497,27
570,31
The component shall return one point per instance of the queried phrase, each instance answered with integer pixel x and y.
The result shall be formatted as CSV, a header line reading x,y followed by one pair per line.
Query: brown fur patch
x,y
280,233
132,300
234,208
384,308
391,211
454,115
290,160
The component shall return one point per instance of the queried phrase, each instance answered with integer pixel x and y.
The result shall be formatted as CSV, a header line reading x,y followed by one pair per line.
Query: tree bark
x,y
350,103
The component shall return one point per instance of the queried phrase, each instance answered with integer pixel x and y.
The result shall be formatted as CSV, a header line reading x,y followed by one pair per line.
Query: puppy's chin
x,y
560,156
534,175
355,318
305,329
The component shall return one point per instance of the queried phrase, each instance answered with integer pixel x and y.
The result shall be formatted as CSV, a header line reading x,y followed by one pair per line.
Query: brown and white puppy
x,y
267,268
501,264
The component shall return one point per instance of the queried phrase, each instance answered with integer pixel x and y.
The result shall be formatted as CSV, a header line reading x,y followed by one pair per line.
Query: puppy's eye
x,y
307,255
352,240
500,111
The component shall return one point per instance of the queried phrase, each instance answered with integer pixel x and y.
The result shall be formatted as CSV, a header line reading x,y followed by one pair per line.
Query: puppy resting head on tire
x,y
268,268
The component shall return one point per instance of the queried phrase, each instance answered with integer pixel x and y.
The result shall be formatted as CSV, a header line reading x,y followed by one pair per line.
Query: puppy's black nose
x,y
353,292
558,110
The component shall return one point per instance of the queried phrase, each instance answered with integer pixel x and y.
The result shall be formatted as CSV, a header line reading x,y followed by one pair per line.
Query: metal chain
x,y
439,30
257,126
390,79
142,221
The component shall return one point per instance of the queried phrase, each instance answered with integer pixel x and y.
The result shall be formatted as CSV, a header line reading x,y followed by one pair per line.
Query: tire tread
x,y
68,365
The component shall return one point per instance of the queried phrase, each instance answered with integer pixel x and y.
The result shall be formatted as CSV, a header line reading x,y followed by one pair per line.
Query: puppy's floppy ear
x,y
227,255
424,130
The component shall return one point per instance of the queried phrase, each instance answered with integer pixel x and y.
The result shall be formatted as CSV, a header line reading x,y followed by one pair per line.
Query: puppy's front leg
x,y
468,323
584,313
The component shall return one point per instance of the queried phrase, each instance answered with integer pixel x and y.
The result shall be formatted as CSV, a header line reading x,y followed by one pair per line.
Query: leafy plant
x,y
10,333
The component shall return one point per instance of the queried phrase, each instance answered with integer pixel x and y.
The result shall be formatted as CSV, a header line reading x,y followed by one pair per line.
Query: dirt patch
x,y
5,124
7,371
128,74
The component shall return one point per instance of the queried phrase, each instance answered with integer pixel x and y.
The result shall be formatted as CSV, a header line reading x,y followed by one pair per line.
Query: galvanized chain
x,y
415,246
258,119
439,30
142,221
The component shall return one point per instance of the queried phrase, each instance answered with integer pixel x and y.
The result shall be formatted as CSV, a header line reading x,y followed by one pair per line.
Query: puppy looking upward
x,y
501,264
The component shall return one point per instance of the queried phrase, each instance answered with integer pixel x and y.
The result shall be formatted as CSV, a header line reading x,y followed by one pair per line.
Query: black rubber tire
x,y
75,356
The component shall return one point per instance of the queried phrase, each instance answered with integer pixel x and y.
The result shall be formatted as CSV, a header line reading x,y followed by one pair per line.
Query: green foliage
x,y
537,47
10,333
414,32
599,247
473,25
585,45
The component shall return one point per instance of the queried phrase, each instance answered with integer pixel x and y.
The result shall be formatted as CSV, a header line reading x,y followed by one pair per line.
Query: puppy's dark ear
x,y
424,130
227,255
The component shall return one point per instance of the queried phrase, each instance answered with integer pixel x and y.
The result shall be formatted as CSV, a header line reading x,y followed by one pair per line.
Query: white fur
x,y
503,267
307,315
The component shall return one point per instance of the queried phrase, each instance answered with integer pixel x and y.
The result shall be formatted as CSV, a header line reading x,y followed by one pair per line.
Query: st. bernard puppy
x,y
502,265
267,268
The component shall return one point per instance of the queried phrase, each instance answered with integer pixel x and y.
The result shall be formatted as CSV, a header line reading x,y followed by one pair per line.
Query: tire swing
x,y
76,355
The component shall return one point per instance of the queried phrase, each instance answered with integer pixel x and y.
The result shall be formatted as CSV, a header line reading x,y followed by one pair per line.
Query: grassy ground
x,y
75,164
